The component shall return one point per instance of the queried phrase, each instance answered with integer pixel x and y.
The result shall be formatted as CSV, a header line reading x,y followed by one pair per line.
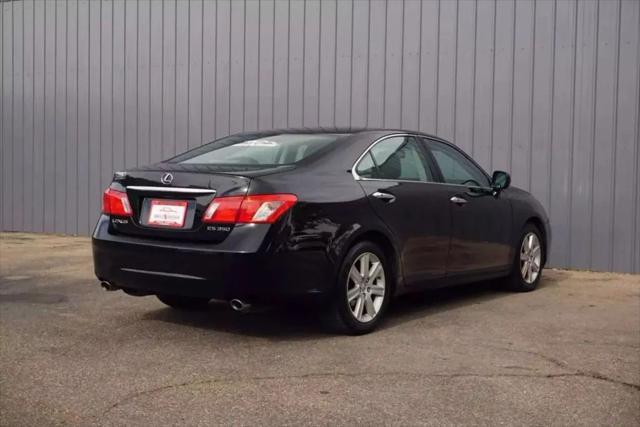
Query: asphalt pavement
x,y
73,354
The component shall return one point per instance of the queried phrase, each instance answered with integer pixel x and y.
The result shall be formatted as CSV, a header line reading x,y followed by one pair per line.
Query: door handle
x,y
385,197
458,200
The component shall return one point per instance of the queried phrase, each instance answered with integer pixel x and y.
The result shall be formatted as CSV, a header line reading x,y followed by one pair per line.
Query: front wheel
x,y
528,262
363,290
184,303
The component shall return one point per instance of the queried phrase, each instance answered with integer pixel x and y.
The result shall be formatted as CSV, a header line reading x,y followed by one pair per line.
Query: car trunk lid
x,y
184,193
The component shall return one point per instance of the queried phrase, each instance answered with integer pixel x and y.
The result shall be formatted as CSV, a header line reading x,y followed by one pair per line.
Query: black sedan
x,y
345,219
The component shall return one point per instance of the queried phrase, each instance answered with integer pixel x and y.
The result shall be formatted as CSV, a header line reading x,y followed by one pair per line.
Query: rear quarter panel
x,y
332,210
331,213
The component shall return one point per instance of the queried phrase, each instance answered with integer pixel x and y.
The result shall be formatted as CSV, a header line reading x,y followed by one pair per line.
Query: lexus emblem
x,y
167,178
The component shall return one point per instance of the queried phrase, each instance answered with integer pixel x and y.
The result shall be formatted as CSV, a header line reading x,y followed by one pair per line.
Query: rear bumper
x,y
243,266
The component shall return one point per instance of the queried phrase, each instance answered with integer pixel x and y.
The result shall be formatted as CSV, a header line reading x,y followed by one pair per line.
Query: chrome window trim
x,y
171,189
360,178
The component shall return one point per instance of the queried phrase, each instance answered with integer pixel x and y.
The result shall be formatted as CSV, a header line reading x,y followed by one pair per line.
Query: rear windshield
x,y
273,150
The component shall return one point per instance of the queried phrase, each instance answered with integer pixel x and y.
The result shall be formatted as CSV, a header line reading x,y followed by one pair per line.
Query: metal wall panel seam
x,y
288,58
636,243
88,207
111,113
569,213
533,83
65,141
66,115
3,142
137,163
33,113
384,78
22,106
419,69
259,67
593,130
401,63
615,138
124,84
12,141
55,110
366,105
273,65
149,86
2,120
188,70
454,105
244,63
202,70
12,185
215,68
44,114
512,94
493,83
319,60
552,116
162,81
175,77
77,134
473,96
304,52
333,75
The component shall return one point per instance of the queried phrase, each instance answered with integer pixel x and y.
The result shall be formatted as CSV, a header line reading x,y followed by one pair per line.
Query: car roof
x,y
346,130
356,140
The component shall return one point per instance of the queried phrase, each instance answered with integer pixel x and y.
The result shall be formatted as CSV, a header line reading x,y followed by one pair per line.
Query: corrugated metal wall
x,y
547,90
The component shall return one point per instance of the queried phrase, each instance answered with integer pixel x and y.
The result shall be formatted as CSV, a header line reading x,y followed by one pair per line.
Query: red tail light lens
x,y
116,203
265,208
256,209
223,209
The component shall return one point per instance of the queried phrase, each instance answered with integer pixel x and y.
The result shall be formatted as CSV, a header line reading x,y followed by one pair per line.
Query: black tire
x,y
515,281
339,316
184,303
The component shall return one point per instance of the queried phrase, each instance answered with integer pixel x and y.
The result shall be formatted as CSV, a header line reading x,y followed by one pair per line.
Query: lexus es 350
x,y
346,219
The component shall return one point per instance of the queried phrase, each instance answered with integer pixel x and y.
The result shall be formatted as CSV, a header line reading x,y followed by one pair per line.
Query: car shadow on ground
x,y
304,323
410,307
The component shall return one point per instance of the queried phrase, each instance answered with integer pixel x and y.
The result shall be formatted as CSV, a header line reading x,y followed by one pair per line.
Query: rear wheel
x,y
184,303
528,262
363,290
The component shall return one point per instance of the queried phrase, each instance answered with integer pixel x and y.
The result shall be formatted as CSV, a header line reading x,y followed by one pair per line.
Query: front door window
x,y
456,168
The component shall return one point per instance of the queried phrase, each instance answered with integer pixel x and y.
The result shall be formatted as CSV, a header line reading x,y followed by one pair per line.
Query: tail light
x,y
257,209
116,203
223,209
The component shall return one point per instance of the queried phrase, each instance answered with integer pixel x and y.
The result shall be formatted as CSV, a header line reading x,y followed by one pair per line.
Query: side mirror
x,y
500,180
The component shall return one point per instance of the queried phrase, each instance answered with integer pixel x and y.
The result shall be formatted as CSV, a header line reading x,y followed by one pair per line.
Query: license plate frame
x,y
167,213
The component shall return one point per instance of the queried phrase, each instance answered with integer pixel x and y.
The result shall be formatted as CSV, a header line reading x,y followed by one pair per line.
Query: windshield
x,y
273,150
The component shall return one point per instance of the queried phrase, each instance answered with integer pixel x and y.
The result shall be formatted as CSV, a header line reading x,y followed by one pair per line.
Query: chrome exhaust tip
x,y
239,305
108,286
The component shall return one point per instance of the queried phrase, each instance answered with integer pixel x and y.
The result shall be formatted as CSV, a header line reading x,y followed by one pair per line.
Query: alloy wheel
x,y
530,258
366,287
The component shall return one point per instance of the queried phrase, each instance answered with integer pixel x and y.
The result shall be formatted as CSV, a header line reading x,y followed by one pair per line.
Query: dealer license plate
x,y
167,213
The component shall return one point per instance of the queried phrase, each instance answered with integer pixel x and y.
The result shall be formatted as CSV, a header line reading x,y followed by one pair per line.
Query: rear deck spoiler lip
x,y
249,173
171,189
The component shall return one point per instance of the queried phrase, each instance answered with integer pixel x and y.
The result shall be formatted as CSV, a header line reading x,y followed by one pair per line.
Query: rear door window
x,y
396,159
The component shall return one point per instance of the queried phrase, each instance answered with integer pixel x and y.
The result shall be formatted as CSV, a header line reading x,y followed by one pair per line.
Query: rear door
x,y
170,203
399,183
481,220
